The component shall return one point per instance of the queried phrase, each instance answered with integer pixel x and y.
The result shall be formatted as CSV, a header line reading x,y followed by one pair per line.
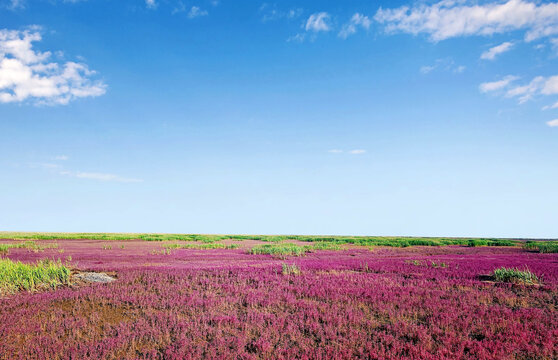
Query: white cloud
x,y
60,157
497,85
552,123
335,151
357,151
195,12
26,74
318,22
540,85
445,64
491,53
427,69
151,4
351,27
453,18
99,176
553,106
550,86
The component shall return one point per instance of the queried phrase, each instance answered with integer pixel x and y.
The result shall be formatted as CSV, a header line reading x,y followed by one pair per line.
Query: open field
x,y
192,297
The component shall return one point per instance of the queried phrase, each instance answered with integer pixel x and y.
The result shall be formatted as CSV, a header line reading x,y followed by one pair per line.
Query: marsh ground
x,y
384,303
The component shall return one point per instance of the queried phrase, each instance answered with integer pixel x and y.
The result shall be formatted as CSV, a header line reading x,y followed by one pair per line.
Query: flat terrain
x,y
418,302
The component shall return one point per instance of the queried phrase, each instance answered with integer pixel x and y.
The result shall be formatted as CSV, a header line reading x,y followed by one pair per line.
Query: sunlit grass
x,y
514,275
290,269
31,245
15,276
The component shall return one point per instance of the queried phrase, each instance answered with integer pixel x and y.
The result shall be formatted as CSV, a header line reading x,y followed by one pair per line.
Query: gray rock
x,y
95,277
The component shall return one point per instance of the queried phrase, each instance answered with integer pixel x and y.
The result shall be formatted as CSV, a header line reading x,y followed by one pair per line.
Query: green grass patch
x,y
514,275
542,246
288,249
280,250
15,276
201,246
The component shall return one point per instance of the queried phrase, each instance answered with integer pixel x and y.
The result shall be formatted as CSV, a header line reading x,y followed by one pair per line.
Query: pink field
x,y
412,303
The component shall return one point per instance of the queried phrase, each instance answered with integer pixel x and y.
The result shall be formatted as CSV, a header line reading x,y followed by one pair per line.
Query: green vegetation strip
x,y
542,246
394,241
31,245
513,275
15,276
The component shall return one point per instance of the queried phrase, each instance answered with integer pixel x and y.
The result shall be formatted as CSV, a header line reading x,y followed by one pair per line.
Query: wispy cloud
x,y
553,106
445,64
58,168
497,85
449,18
318,22
14,5
552,123
43,165
270,12
491,53
196,11
539,85
26,74
357,152
358,20
99,176
151,4
352,152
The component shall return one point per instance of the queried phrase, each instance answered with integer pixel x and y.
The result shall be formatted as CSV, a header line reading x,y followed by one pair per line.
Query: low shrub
x,y
514,275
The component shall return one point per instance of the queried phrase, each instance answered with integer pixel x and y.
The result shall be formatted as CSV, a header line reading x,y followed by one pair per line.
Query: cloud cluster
x,y
26,74
540,85
322,22
453,18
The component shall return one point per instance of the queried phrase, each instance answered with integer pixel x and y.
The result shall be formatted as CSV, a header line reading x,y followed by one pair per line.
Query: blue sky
x,y
309,117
